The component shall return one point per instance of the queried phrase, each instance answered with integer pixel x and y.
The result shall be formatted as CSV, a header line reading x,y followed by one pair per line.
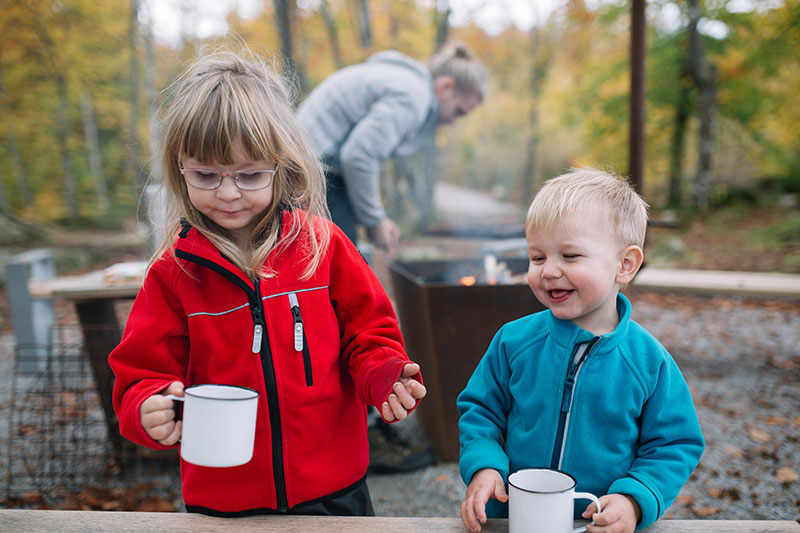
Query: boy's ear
x,y
630,262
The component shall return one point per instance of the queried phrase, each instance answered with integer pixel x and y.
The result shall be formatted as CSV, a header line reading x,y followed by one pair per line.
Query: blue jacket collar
x,y
568,334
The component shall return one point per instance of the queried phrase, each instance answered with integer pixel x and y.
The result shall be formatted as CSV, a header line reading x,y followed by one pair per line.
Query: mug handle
x,y
177,399
585,496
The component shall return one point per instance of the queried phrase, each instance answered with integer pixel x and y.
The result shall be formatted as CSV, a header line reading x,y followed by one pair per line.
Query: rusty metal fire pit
x,y
447,327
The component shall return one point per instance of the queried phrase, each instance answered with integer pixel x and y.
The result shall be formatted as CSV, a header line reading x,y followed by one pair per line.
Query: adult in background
x,y
357,118
388,105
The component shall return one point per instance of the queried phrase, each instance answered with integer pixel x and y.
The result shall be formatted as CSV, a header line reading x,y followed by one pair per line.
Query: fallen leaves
x,y
734,451
115,499
786,475
705,512
759,435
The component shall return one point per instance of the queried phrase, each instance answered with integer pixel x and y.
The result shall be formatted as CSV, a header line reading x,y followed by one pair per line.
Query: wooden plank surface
x,y
772,284
23,521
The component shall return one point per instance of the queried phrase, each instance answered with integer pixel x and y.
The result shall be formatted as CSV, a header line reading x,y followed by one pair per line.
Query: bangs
x,y
229,108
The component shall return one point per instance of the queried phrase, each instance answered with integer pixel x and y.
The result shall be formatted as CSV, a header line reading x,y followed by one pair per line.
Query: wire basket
x,y
60,454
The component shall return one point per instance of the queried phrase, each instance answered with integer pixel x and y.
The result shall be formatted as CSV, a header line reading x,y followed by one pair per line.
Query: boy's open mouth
x,y
558,295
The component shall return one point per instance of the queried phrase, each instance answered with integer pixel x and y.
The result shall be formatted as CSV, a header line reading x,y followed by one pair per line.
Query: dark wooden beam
x,y
637,95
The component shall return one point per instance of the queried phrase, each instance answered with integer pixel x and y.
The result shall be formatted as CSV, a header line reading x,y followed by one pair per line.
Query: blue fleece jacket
x,y
621,420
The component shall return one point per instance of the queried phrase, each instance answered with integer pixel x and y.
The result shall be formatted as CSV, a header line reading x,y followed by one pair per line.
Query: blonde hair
x,y
457,60
586,188
226,98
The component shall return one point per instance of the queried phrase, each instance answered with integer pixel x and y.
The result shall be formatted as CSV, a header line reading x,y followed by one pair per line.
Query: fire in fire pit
x,y
449,311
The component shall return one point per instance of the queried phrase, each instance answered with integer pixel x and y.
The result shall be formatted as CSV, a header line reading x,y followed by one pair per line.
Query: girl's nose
x,y
227,189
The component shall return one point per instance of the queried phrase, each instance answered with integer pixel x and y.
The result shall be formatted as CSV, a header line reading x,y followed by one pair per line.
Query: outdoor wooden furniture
x,y
23,521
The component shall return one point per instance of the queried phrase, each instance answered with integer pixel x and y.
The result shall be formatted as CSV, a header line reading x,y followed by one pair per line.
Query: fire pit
x,y
448,314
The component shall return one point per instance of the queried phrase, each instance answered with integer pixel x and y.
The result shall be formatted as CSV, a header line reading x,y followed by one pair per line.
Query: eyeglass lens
x,y
248,180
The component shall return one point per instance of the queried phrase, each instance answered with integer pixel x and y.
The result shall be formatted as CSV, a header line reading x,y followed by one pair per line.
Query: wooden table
x,y
22,521
94,299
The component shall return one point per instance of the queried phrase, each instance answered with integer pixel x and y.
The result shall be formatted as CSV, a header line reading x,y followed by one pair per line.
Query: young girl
x,y
251,259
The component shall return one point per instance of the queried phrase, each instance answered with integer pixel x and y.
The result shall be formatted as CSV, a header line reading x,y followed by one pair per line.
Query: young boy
x,y
580,387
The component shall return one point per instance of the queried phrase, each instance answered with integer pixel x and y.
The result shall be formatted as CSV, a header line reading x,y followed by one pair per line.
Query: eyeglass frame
x,y
221,175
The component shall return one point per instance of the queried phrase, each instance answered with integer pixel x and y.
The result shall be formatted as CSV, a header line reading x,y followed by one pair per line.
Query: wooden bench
x,y
23,521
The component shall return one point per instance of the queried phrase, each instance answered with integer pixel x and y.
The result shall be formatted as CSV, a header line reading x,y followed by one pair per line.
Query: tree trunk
x,y
63,149
5,205
93,152
705,78
152,107
333,34
540,61
442,21
135,161
706,113
364,25
678,145
13,150
283,19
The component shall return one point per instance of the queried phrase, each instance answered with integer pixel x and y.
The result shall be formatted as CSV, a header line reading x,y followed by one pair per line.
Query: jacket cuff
x,y
644,495
385,377
482,453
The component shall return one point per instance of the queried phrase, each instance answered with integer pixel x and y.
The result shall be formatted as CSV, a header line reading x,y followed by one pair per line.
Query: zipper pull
x,y
257,333
568,385
298,322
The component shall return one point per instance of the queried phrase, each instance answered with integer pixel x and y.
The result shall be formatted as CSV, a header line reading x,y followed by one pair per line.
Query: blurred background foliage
x,y
79,80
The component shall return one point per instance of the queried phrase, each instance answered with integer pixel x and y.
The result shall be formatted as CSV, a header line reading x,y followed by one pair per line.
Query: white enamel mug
x,y
219,424
541,501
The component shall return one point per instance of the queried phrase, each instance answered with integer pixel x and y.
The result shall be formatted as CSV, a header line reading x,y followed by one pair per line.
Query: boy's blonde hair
x,y
586,188
224,98
455,59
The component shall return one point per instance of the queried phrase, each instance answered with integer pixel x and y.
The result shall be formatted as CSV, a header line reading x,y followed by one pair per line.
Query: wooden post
x,y
637,96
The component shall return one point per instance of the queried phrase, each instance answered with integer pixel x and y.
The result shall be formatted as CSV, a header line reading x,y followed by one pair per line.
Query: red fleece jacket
x,y
194,322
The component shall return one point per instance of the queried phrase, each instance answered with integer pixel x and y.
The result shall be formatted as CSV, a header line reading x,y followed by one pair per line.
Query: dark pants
x,y
351,501
339,205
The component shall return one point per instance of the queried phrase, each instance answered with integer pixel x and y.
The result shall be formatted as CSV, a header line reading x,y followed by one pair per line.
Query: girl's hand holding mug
x,y
405,393
157,415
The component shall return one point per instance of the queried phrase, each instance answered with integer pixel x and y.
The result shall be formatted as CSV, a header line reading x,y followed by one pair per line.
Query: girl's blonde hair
x,y
224,98
586,188
456,59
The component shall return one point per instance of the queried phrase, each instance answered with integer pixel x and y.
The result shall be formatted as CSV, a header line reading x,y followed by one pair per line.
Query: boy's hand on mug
x,y
405,393
486,483
157,415
620,514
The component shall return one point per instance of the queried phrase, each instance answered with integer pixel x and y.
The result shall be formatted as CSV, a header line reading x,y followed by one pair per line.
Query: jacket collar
x,y
193,243
568,334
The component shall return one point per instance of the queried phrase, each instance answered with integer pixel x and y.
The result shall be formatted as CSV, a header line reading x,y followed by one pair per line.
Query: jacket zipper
x,y
566,399
300,341
257,309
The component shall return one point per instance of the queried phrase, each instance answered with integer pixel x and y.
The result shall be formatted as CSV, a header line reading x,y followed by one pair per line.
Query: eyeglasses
x,y
246,180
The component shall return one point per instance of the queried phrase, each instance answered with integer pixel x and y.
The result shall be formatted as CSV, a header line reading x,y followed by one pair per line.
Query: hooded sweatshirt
x,y
363,114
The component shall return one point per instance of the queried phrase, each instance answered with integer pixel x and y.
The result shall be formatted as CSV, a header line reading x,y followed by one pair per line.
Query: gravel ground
x,y
741,359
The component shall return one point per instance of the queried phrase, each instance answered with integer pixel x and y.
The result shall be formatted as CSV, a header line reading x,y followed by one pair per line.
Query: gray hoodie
x,y
363,114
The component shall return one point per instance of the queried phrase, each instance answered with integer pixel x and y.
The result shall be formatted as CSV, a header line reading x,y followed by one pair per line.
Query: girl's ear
x,y
630,261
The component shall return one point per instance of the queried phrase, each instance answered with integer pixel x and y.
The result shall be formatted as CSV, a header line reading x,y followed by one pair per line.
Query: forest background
x,y
80,82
